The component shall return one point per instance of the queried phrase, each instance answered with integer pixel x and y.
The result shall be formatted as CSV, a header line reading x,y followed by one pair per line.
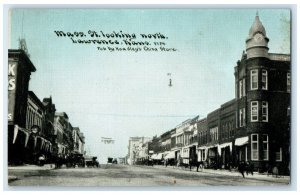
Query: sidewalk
x,y
32,167
11,178
233,172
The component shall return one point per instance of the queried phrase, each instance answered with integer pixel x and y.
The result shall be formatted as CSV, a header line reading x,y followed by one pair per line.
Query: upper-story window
x,y
264,111
214,134
264,79
288,82
236,120
254,111
254,79
242,117
242,87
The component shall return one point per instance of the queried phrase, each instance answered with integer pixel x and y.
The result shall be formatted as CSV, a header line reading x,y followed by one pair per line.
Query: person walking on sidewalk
x,y
242,168
249,168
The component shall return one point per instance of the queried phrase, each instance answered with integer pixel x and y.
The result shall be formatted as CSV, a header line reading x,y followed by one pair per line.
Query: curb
x,y
32,167
235,173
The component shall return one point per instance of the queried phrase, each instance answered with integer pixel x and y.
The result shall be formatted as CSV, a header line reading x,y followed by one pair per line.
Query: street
x,y
124,175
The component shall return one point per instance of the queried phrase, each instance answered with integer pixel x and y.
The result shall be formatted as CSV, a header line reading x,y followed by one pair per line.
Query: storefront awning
x,y
224,145
159,156
212,146
25,131
143,156
202,148
241,141
153,156
170,155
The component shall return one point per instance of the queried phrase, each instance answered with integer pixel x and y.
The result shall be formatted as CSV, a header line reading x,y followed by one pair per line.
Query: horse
x,y
196,163
245,167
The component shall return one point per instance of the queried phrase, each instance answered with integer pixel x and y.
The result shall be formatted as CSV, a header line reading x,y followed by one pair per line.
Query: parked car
x,y
75,160
109,160
91,161
115,161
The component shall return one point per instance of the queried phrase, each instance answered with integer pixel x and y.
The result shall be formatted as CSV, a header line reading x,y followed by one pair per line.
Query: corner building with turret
x,y
263,87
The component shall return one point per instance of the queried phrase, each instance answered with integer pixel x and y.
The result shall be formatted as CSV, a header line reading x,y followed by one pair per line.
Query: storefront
x,y
185,155
212,156
241,149
202,153
192,153
169,155
225,150
170,158
19,70
19,144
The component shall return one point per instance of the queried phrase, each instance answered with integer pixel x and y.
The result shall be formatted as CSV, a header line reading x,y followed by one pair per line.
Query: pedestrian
x,y
241,168
249,168
275,171
269,169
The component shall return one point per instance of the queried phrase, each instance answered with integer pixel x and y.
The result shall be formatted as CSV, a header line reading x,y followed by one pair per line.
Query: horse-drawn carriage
x,y
190,162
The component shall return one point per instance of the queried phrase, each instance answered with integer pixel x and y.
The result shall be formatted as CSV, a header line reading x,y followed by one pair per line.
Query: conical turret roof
x,y
256,27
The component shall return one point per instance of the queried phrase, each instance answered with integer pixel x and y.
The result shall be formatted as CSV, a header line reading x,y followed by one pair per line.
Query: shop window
x,y
254,79
254,147
264,79
265,147
254,111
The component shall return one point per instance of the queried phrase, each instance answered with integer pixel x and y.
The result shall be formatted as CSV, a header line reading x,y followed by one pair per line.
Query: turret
x,y
257,42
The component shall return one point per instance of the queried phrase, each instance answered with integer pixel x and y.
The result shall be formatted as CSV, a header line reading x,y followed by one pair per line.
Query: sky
x,y
123,94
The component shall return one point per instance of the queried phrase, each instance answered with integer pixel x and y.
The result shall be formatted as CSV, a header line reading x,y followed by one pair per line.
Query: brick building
x,y
39,142
34,127
19,71
263,100
255,125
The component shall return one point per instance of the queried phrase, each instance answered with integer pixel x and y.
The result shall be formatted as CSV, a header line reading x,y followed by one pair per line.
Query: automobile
x,y
75,160
91,161
115,161
41,160
109,160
